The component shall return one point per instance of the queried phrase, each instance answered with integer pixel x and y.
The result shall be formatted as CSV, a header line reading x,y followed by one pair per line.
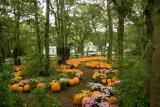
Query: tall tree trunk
x,y
39,47
120,37
97,36
63,52
1,59
110,32
3,54
47,59
149,25
16,50
154,33
82,48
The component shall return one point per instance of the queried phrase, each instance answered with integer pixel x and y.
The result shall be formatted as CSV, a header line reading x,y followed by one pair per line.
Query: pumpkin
x,y
96,93
110,84
41,85
14,87
26,88
17,69
90,94
109,81
20,89
55,86
126,65
114,78
112,100
78,99
71,82
76,79
18,74
103,81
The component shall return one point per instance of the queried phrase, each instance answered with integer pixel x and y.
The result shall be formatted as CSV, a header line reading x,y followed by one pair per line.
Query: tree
x,y
47,59
153,34
123,7
37,29
17,14
60,9
110,31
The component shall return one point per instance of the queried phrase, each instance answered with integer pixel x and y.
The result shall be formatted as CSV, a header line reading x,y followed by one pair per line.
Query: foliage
x,y
34,64
132,89
39,98
5,75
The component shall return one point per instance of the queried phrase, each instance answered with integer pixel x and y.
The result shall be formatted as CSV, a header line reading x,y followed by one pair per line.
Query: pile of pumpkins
x,y
109,78
79,99
57,85
66,69
19,84
98,65
77,61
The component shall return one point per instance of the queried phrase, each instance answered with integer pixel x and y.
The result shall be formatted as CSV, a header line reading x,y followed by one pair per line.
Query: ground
x,y
66,96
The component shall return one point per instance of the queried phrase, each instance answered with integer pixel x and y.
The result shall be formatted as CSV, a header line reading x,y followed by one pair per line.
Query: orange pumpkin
x,y
126,65
112,100
78,99
114,78
90,94
18,74
109,81
103,81
110,84
17,69
14,87
26,88
96,93
76,79
55,86
20,89
41,85
71,82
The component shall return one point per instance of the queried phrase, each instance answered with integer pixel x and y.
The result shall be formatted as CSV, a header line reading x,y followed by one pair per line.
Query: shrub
x,y
132,89
39,98
34,64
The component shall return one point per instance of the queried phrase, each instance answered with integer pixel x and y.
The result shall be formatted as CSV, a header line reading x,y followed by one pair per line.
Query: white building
x,y
52,51
90,49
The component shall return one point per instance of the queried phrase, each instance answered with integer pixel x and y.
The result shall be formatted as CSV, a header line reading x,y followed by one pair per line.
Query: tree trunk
x,y
3,55
82,48
154,8
16,51
1,59
110,33
63,52
37,30
120,37
47,59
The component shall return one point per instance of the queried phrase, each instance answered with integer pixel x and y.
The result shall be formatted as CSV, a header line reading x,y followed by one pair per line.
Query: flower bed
x,y
58,82
103,97
105,76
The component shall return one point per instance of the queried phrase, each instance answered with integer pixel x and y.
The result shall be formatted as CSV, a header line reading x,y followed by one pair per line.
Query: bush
x,y
36,98
39,98
132,89
5,76
34,64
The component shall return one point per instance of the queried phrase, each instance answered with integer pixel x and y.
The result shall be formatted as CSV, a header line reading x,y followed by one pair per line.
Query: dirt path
x,y
66,96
